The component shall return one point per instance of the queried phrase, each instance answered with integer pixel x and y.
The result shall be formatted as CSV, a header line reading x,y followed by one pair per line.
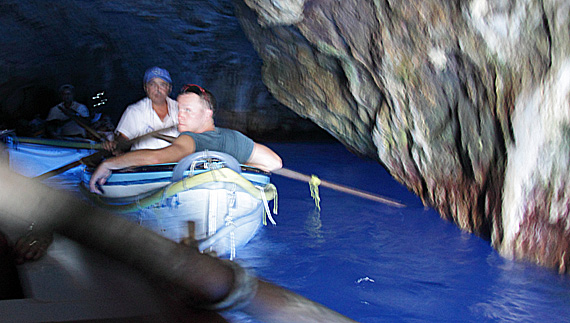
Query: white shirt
x,y
70,128
140,118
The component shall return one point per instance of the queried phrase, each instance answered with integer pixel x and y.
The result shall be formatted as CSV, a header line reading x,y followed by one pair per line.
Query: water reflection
x,y
313,225
521,292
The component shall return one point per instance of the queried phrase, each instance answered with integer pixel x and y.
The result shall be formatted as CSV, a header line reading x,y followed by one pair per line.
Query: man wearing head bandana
x,y
154,112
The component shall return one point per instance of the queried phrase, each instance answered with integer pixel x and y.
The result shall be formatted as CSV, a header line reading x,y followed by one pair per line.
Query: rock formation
x,y
467,103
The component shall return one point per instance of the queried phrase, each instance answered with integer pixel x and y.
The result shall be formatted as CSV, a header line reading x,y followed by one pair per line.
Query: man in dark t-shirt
x,y
198,132
229,141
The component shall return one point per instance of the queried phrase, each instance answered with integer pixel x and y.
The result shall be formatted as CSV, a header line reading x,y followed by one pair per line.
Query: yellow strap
x,y
314,187
218,175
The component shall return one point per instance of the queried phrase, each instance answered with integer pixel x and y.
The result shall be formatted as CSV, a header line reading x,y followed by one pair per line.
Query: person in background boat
x,y
58,124
197,133
156,111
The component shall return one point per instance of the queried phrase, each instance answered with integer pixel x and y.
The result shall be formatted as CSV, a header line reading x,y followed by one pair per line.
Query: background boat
x,y
35,156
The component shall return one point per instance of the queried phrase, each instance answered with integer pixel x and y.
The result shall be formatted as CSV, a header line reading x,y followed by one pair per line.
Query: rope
x,y
230,221
272,188
314,187
267,212
223,231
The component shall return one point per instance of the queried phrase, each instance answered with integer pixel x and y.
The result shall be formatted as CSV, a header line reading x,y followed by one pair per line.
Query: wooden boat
x,y
227,201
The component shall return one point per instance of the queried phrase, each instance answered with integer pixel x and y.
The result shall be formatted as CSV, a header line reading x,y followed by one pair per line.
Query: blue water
x,y
376,263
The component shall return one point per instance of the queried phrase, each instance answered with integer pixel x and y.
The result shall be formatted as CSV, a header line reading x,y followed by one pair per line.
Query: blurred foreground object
x,y
200,280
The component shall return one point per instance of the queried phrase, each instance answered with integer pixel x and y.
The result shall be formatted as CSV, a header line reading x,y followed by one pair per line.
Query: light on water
x,y
376,263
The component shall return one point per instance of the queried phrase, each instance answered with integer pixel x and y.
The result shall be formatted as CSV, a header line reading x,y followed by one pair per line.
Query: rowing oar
x,y
68,112
69,166
57,143
166,138
305,178
83,160
155,134
200,280
97,155
94,132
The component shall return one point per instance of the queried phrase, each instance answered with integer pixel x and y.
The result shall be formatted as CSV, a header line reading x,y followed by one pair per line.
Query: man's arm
x,y
181,147
264,158
119,145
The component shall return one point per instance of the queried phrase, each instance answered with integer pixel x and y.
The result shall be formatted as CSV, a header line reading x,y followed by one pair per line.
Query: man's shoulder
x,y
77,104
226,131
172,105
55,111
140,105
55,108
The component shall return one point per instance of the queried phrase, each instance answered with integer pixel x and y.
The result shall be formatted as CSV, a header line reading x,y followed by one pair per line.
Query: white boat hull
x,y
226,208
211,210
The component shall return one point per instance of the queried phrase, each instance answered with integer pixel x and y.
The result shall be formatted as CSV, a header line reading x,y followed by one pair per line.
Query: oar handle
x,y
166,138
69,166
59,170
73,117
105,153
126,144
306,178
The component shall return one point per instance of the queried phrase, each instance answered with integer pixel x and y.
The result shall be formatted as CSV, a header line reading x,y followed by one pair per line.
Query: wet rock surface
x,y
466,103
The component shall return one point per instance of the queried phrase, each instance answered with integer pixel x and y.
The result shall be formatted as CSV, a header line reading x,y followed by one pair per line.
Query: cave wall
x,y
464,102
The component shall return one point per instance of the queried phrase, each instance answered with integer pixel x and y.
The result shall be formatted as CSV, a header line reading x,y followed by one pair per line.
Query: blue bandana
x,y
157,72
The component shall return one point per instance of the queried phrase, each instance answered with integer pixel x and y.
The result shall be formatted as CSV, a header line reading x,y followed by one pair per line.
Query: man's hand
x,y
32,247
99,177
110,146
117,147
